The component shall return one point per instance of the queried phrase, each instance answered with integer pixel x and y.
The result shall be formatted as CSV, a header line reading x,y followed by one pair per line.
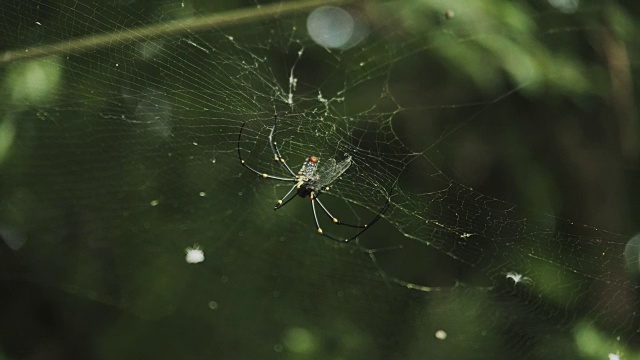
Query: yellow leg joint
x,y
265,176
319,231
335,220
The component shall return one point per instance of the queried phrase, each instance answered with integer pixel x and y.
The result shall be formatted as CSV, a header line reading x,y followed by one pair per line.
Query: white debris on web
x,y
441,335
518,278
321,98
191,42
293,82
614,356
194,255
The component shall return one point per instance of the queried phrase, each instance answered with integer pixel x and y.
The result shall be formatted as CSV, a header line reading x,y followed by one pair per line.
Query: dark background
x,y
507,135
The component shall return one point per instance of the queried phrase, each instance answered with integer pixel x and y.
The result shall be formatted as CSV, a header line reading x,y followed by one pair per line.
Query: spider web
x,y
118,154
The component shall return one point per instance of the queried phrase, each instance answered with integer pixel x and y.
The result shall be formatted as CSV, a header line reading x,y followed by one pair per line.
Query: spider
x,y
310,181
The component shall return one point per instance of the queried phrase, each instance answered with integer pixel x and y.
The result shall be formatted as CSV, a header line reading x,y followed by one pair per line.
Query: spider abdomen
x,y
306,189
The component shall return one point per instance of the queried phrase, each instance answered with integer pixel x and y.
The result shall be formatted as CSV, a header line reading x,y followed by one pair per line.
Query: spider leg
x,y
335,219
363,228
263,175
282,201
373,221
274,147
315,217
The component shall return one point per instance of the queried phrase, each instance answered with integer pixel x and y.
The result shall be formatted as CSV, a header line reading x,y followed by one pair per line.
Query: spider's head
x,y
312,159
